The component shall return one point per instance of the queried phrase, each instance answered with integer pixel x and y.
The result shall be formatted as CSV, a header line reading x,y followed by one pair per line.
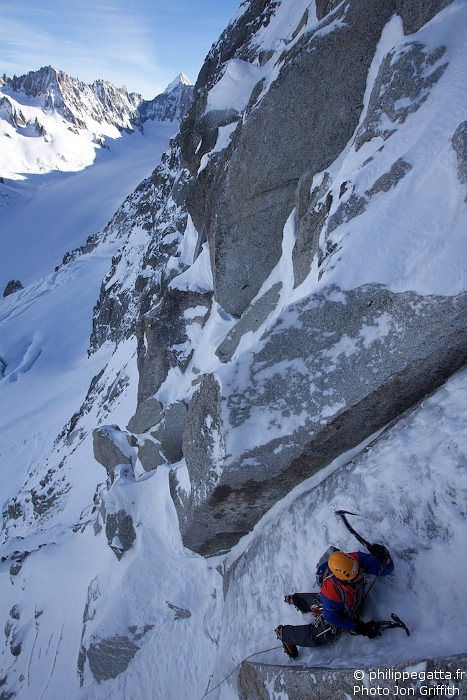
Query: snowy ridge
x,y
75,100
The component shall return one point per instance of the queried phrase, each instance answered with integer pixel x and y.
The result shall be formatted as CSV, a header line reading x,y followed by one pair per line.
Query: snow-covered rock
x,y
331,373
338,245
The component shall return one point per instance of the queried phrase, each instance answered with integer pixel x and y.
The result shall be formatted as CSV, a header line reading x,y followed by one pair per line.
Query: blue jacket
x,y
340,601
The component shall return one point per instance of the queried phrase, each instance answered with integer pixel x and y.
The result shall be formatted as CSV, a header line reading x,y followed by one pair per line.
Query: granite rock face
x,y
170,431
251,320
298,368
415,14
251,189
401,87
108,658
203,450
331,371
150,455
163,337
109,449
148,413
120,532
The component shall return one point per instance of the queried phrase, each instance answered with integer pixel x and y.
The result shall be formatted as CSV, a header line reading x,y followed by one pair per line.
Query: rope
x,y
372,584
233,671
279,647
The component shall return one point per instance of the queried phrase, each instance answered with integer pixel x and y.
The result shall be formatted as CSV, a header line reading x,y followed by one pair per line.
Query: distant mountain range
x,y
53,106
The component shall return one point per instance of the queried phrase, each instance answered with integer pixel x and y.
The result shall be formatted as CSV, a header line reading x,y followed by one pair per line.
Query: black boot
x,y
290,649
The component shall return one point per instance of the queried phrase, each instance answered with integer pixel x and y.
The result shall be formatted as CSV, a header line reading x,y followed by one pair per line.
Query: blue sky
x,y
142,44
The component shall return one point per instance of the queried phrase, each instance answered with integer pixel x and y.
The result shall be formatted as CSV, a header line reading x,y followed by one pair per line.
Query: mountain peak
x,y
181,79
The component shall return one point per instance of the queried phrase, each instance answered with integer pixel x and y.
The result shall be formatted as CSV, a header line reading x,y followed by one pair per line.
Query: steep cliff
x,y
279,332
314,154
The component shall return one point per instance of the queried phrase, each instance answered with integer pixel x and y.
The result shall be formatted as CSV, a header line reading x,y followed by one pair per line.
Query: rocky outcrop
x,y
148,413
163,337
203,450
324,7
170,431
236,41
14,115
312,211
108,658
262,681
166,431
401,87
150,455
157,207
333,369
12,287
120,532
415,14
459,143
111,448
253,318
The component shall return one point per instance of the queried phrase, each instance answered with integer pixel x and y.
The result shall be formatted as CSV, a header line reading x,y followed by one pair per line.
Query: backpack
x,y
322,565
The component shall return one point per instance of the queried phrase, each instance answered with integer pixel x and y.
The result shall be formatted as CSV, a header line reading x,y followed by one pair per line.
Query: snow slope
x,y
409,487
55,212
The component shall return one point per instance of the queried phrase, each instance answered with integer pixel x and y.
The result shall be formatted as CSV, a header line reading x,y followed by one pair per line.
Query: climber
x,y
338,606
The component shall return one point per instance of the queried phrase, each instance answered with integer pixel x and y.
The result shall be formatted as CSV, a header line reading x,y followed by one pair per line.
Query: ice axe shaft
x,y
342,514
383,624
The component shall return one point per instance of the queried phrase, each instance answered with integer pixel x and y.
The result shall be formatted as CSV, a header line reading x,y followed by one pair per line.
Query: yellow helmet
x,y
343,566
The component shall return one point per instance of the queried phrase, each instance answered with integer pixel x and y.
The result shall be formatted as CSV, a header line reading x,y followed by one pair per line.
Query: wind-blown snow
x,y
234,88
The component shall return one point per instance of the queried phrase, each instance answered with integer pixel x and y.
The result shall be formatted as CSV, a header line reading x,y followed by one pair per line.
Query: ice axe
x,y
342,514
396,622
362,540
383,624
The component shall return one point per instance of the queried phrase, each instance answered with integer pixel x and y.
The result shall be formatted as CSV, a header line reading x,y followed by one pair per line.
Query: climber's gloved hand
x,y
367,629
381,553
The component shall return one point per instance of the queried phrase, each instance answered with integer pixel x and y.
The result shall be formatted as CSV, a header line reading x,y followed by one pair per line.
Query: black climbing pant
x,y
313,635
